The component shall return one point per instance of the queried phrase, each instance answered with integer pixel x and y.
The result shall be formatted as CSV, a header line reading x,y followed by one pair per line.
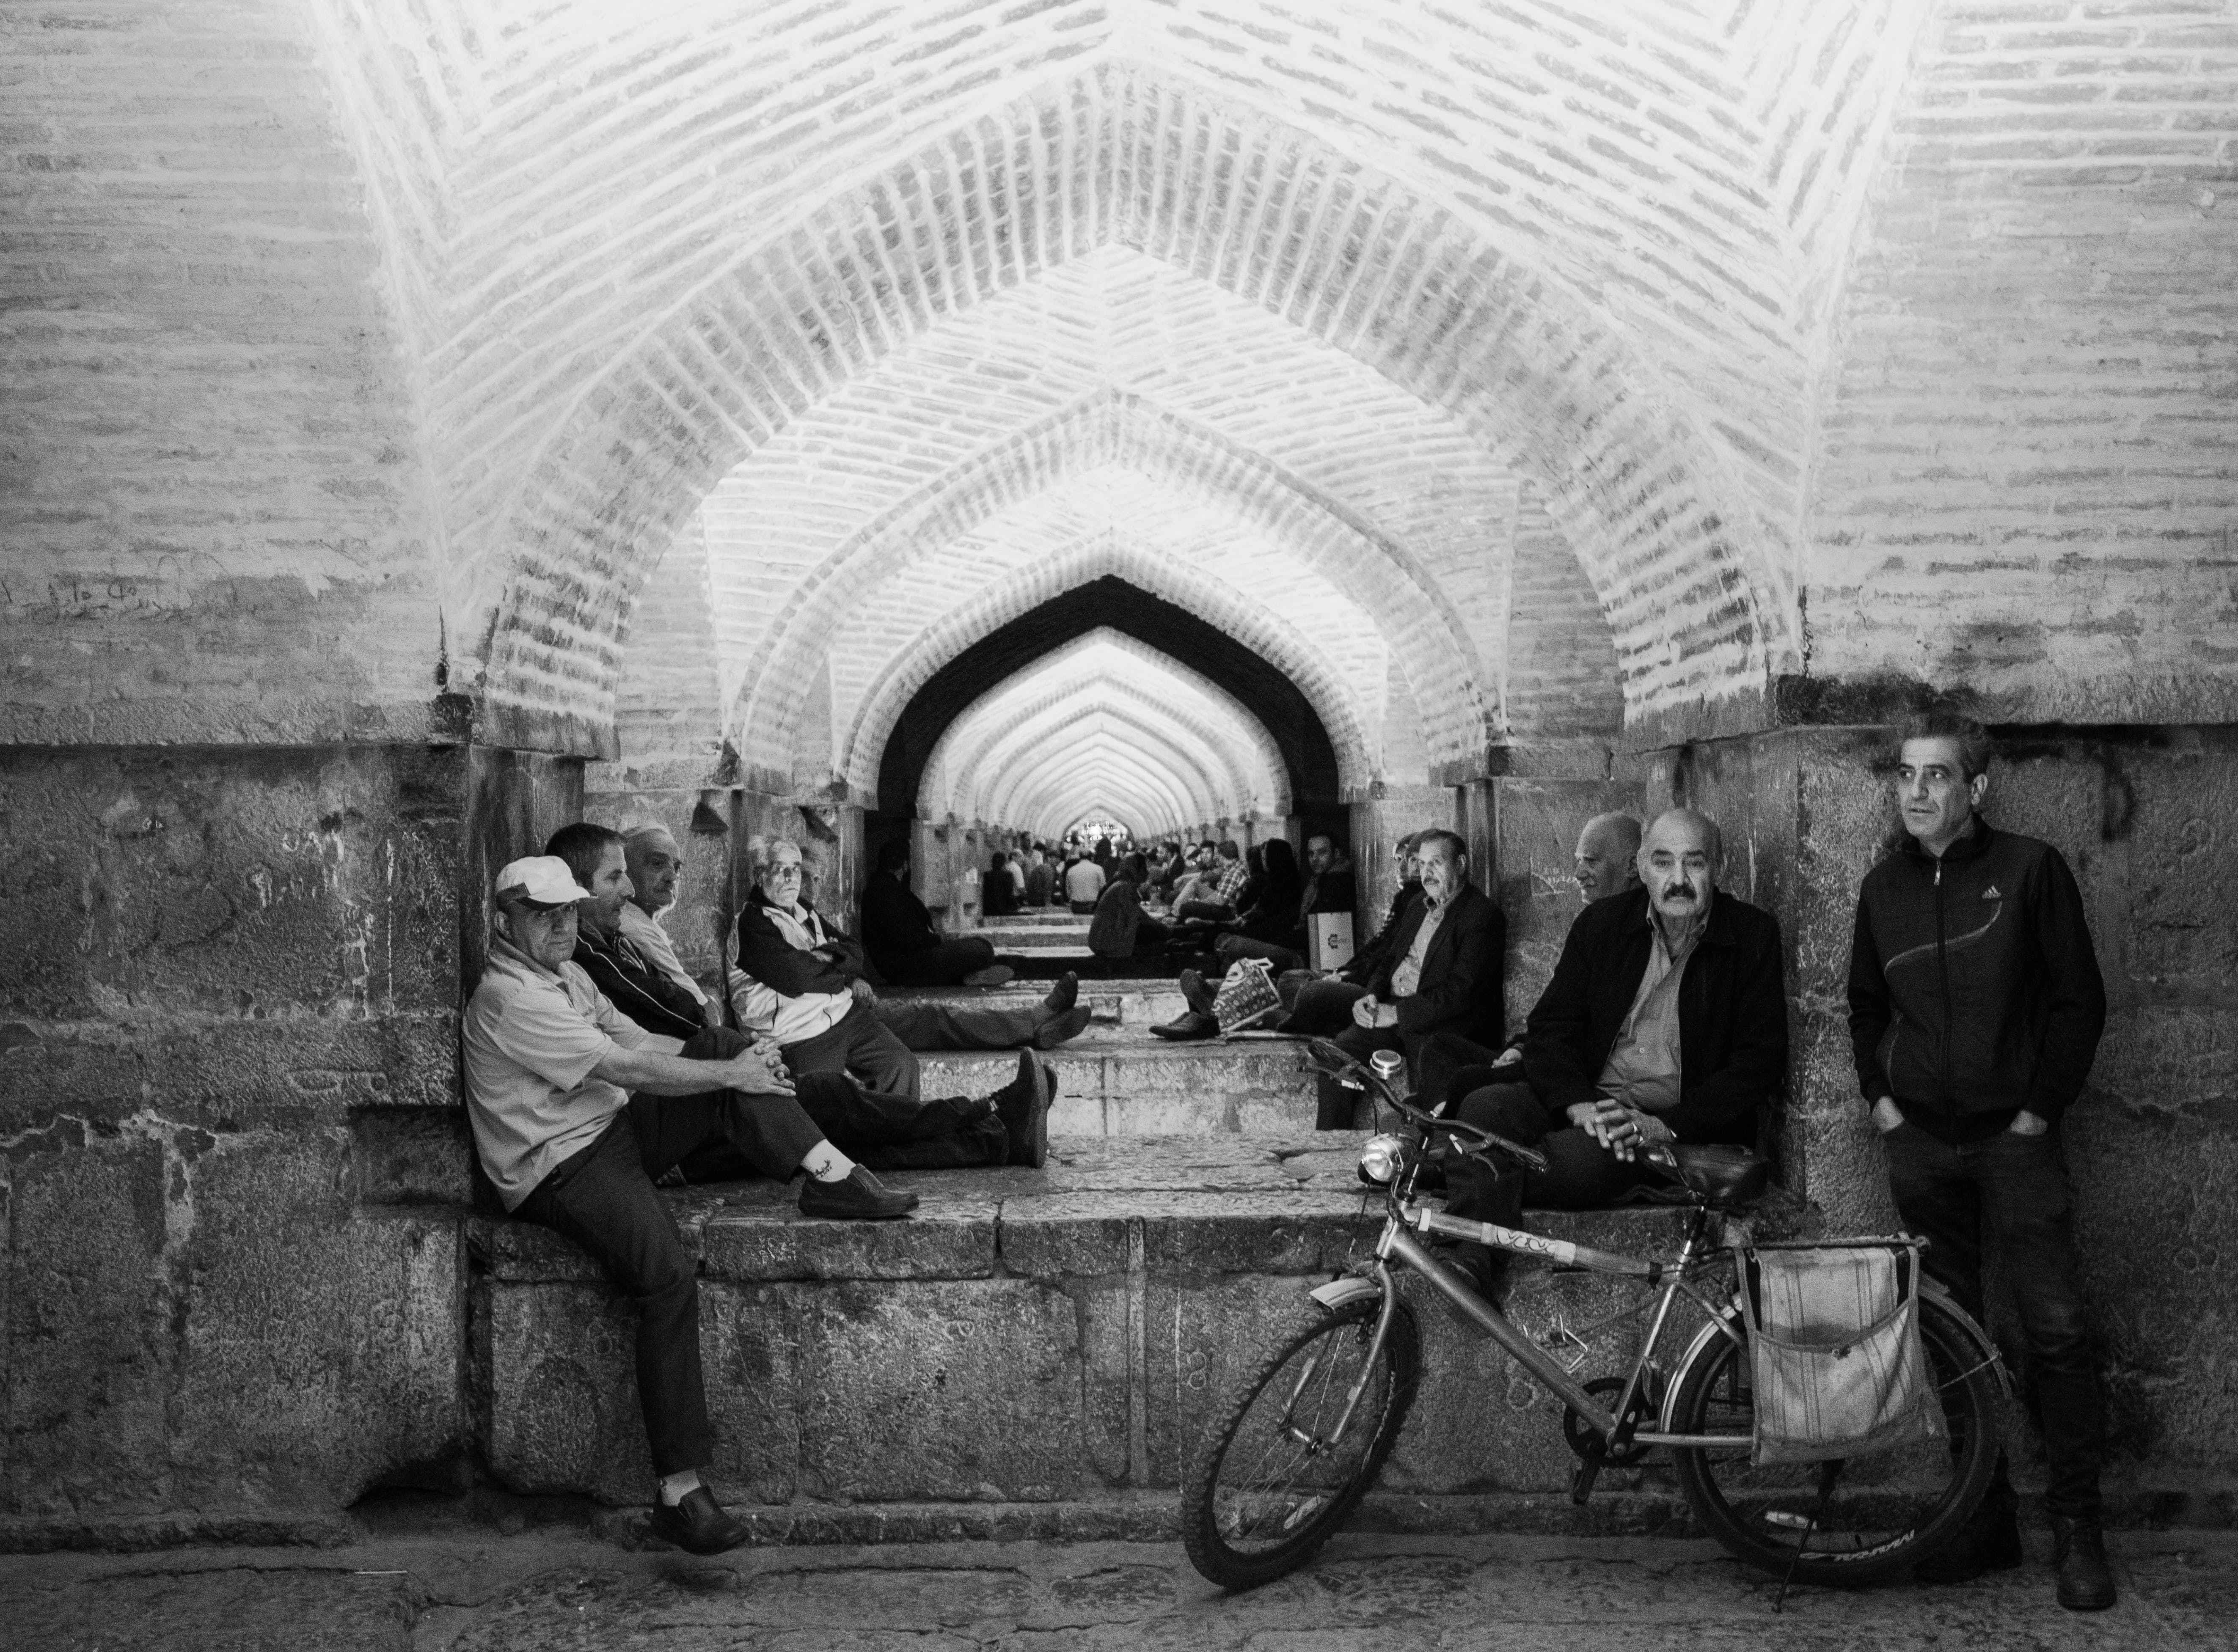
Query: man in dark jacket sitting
x,y
1667,1019
904,947
1442,972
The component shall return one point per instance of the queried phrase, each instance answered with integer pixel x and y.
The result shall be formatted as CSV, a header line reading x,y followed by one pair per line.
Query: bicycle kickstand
x,y
1828,1473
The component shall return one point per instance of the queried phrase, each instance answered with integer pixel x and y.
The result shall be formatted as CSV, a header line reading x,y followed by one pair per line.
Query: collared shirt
x,y
1406,979
645,932
1084,882
761,1008
1642,1069
531,1038
1230,875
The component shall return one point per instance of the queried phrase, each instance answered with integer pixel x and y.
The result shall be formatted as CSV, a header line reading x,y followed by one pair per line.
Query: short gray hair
x,y
766,857
1452,840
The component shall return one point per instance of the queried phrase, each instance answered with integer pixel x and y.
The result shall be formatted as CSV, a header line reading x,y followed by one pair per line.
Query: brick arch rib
x,y
1309,756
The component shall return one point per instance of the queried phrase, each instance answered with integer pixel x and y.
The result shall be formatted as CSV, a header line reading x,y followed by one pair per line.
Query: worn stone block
x,y
92,1294
558,1410
321,1346
971,1388
950,1236
412,1156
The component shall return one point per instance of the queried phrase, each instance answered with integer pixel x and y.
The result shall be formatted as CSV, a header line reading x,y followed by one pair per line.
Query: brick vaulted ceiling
x,y
1356,325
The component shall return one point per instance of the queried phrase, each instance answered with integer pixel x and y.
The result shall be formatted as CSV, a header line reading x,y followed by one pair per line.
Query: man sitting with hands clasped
x,y
1665,1019
576,1109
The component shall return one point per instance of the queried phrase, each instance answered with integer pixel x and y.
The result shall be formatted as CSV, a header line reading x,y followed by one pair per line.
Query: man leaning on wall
x,y
1976,1008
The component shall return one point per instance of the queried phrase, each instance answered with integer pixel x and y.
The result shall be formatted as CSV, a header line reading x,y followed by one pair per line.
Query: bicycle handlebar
x,y
1333,1060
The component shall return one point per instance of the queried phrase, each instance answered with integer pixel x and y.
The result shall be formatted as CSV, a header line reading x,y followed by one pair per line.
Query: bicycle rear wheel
x,y
1886,1511
1272,1481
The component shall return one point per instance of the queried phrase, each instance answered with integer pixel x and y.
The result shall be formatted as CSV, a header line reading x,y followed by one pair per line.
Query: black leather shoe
x,y
1184,1028
1059,1030
1064,994
858,1197
698,1523
1024,1105
2078,1559
1990,1542
1199,996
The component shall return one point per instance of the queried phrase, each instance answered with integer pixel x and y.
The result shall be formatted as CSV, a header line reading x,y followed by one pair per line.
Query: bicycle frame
x,y
1397,1242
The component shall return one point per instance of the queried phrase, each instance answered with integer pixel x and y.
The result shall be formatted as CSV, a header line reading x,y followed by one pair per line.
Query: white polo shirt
x,y
531,1037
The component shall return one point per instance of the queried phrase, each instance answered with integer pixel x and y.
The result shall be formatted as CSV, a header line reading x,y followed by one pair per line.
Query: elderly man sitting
x,y
576,1109
1603,864
1665,1019
655,865
801,982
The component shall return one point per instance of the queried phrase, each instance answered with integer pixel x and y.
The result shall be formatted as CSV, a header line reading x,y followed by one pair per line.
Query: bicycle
x,y
1307,1434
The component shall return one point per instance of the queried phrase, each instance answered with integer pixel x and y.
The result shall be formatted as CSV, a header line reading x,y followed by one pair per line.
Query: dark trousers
x,y
1450,1066
861,1046
942,964
2010,1193
1580,1174
874,1044
1337,1103
603,1198
1318,1008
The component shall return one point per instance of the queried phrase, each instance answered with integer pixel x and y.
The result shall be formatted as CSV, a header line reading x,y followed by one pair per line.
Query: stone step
x,y
1016,922
1052,1337
1137,1003
1119,1082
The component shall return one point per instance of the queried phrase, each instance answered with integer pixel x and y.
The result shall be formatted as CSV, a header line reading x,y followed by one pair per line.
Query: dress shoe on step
x,y
1057,1029
1199,996
1062,996
2078,1559
1024,1105
857,1197
993,976
1186,1028
698,1523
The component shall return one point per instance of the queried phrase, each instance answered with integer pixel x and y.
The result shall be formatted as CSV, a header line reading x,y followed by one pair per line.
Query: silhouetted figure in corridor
x,y
903,945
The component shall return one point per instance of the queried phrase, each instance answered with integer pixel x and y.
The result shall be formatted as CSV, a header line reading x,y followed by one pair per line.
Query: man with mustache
x,y
1666,1019
1975,1007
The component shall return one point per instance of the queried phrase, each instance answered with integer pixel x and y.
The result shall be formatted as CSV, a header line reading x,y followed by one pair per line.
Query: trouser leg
x,y
920,1025
1450,1066
889,1132
1232,947
2026,1215
943,964
604,1201
861,1047
1336,1104
1151,937
1323,1009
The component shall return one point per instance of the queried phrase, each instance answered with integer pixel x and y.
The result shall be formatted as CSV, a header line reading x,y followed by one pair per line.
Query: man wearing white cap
x,y
576,1109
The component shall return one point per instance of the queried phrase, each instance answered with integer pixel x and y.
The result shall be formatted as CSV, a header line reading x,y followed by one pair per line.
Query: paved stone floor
x,y
472,1590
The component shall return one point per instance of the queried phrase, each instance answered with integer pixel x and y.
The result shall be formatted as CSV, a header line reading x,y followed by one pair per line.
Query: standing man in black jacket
x,y
1667,1019
1442,973
1976,1008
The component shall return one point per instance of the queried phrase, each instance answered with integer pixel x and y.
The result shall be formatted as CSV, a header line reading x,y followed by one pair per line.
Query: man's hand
x,y
1363,1010
2029,1124
757,1070
1887,1115
864,992
1619,1129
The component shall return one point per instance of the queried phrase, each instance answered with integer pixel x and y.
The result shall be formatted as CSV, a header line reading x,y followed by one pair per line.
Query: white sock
x,y
674,1488
827,1163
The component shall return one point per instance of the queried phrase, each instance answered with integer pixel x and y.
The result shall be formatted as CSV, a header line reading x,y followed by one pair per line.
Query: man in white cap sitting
x,y
576,1109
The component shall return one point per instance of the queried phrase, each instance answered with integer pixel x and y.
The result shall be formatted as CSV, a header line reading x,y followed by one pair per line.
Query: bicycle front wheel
x,y
1885,1512
1276,1476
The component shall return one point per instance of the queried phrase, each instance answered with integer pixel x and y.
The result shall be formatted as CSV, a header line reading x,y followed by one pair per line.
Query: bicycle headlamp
x,y
1379,1159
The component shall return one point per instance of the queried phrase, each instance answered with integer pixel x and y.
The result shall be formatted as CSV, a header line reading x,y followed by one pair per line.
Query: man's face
x,y
610,886
546,934
1442,870
782,878
1601,869
1409,864
1674,864
1320,855
654,864
1931,789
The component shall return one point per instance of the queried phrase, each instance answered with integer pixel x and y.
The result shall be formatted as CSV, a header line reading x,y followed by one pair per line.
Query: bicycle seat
x,y
1722,1176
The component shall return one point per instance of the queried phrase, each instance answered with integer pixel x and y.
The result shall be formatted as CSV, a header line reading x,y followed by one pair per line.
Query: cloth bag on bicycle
x,y
1835,1353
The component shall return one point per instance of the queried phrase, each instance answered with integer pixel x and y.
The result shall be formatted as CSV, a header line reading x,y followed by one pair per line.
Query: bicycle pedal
x,y
1581,1482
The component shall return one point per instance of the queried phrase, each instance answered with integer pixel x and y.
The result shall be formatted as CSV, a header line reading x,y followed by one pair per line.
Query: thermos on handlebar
x,y
1387,1066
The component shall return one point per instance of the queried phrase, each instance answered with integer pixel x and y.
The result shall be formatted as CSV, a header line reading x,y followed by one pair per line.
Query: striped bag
x,y
1834,1350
